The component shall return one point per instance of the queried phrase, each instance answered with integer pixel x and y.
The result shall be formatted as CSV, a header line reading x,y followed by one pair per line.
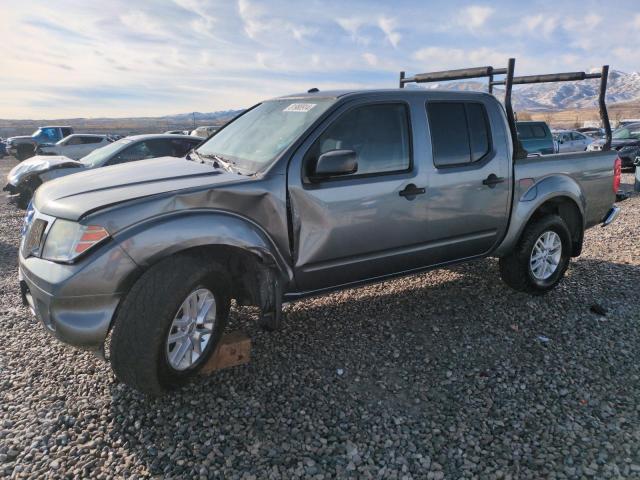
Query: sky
x,y
123,58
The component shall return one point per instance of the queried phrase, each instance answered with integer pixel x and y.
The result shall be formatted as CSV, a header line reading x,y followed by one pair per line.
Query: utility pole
x,y
193,115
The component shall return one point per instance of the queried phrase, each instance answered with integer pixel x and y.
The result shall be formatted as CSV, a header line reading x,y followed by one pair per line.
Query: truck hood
x,y
617,144
77,195
39,164
19,137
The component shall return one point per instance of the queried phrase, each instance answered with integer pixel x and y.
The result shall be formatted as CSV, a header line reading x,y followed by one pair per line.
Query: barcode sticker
x,y
300,107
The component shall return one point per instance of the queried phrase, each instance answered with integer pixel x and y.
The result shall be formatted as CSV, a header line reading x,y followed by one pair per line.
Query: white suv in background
x,y
75,146
571,141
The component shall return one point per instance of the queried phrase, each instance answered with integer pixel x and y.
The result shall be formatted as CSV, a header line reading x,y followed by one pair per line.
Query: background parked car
x,y
75,146
571,141
593,132
205,131
24,178
3,147
626,140
536,137
23,147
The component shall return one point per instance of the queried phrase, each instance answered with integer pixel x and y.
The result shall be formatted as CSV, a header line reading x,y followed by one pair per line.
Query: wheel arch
x,y
256,267
559,195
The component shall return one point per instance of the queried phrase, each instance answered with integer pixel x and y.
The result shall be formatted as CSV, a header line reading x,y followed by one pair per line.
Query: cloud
x,y
352,26
388,25
474,17
142,23
540,24
370,58
134,57
440,58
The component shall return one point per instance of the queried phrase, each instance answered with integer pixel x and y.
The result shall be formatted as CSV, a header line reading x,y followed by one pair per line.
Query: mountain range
x,y
622,87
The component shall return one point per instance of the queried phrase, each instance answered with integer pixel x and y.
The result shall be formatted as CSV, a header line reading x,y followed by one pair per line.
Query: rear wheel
x,y
541,257
170,323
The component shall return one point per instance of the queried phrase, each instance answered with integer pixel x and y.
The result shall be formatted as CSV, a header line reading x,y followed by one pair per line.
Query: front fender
x,y
164,235
527,202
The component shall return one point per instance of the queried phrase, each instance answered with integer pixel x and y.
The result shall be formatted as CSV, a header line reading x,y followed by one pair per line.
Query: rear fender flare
x,y
555,186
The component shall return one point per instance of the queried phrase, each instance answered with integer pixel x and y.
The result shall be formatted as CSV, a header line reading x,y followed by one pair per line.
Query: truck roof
x,y
373,92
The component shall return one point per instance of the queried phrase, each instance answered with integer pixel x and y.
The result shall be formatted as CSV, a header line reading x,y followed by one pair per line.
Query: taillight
x,y
617,173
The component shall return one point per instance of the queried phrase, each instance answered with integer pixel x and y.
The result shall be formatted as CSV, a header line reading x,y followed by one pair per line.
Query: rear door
x,y
469,189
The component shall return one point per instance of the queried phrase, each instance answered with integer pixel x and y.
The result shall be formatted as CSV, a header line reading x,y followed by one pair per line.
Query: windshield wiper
x,y
218,160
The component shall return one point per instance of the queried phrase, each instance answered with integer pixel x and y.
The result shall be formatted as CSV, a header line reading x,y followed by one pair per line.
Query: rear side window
x,y
460,132
531,131
87,140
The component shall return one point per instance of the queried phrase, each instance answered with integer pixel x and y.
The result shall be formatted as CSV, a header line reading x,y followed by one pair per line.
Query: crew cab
x,y
298,196
23,147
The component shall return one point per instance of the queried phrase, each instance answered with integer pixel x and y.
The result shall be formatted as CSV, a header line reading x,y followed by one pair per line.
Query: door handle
x,y
492,180
411,191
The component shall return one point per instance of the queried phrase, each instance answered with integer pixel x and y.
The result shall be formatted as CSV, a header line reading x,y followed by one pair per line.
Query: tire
x,y
515,268
139,349
26,192
24,152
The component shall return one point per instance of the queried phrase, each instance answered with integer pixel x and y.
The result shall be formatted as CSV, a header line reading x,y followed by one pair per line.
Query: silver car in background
x,y
27,176
75,146
571,141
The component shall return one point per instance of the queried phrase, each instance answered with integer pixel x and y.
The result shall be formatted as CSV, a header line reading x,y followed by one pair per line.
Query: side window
x,y
74,141
460,132
538,131
577,136
88,140
524,131
137,151
66,132
378,134
51,134
180,147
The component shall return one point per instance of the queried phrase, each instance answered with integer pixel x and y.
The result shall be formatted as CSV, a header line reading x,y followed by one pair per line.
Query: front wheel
x,y
541,257
170,323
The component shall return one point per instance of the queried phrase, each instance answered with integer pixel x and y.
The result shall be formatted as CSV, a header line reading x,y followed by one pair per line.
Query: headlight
x,y
67,240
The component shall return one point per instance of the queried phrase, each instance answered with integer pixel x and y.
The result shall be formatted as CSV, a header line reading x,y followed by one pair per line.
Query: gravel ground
x,y
447,374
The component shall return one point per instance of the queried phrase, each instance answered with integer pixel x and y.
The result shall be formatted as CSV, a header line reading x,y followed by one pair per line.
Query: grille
x,y
33,237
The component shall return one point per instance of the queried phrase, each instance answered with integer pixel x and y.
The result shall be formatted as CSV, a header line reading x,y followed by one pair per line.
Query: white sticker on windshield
x,y
300,107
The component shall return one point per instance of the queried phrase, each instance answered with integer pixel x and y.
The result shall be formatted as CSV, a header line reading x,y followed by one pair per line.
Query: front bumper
x,y
76,303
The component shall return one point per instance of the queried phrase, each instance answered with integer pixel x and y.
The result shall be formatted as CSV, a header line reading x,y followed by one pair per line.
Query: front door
x,y
364,224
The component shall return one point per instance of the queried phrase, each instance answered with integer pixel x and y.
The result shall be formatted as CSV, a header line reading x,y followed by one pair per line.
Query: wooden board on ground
x,y
234,349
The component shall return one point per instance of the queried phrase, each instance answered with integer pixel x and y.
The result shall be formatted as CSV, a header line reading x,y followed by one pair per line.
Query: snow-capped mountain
x,y
622,87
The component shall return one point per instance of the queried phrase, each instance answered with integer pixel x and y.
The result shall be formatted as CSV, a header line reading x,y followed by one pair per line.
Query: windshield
x,y
254,140
101,155
45,135
628,132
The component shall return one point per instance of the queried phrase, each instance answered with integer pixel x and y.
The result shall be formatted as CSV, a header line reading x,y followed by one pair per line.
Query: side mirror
x,y
335,163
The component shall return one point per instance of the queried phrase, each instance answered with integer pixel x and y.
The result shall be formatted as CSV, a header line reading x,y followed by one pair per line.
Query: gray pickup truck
x,y
298,196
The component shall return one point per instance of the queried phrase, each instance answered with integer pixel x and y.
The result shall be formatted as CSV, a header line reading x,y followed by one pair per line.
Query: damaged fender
x,y
150,241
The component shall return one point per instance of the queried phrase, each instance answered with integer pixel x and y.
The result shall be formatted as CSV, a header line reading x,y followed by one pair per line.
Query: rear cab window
x,y
460,132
